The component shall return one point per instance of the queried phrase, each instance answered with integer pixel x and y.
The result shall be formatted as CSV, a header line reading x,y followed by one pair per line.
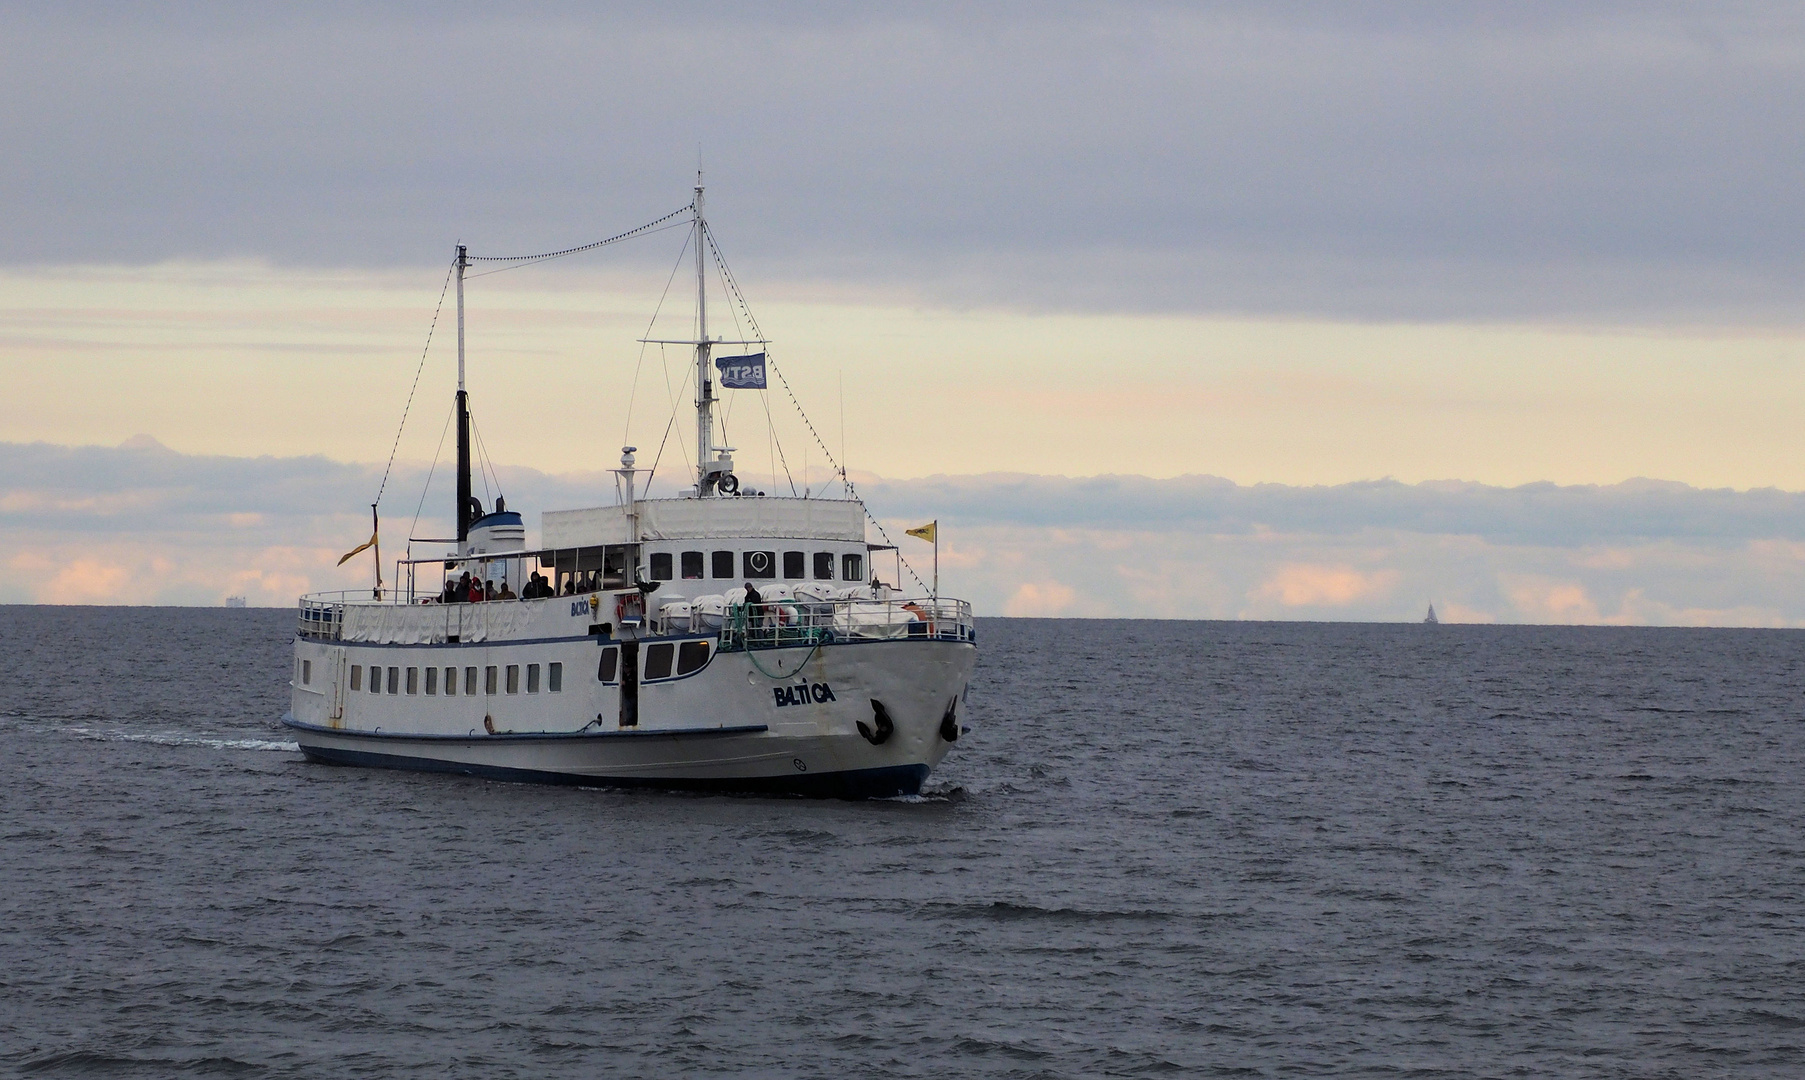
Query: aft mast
x,y
464,516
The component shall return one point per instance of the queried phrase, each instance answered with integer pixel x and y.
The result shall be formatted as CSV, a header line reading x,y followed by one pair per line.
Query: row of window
x,y
690,656
685,657
492,678
758,565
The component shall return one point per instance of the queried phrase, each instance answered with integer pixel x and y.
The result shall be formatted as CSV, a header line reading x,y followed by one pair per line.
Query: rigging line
x,y
653,472
845,481
584,247
536,260
482,457
676,404
410,391
427,487
627,431
765,399
671,396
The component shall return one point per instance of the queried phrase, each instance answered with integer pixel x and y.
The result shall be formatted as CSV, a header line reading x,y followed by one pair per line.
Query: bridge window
x,y
532,678
723,564
604,671
692,565
394,680
470,681
661,566
824,566
691,655
432,680
489,681
760,564
554,677
451,681
413,680
852,568
793,562
307,671
357,676
658,661
513,678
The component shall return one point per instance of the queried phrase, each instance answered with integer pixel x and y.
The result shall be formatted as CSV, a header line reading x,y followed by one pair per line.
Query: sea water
x,y
1164,849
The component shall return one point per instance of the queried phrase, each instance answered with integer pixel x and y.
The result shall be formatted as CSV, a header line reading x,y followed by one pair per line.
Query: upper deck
x,y
881,615
762,517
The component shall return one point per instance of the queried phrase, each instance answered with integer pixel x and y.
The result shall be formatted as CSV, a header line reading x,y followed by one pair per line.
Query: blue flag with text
x,y
742,372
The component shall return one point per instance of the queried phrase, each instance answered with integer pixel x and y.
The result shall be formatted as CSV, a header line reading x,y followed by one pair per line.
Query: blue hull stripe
x,y
531,736
854,784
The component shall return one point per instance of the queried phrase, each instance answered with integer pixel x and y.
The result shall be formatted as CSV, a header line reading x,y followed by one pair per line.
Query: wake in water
x,y
178,738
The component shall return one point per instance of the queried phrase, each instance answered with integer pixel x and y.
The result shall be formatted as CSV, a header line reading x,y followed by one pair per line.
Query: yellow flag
x,y
365,546
926,532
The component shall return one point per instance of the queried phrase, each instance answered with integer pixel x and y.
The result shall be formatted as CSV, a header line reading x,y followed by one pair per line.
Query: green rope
x,y
739,625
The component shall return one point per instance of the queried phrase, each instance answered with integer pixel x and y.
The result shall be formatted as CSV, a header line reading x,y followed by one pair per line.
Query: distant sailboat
x,y
1430,619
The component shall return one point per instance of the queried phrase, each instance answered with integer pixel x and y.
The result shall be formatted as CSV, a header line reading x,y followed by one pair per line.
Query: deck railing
x,y
788,623
322,618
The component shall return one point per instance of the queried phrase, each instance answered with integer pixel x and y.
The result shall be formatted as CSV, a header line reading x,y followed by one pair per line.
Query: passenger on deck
x,y
755,607
460,593
489,592
506,593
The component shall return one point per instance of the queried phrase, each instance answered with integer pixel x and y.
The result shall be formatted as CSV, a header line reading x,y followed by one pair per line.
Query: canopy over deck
x,y
706,519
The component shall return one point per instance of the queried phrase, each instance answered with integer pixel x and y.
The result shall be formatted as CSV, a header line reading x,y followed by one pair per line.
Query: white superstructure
x,y
625,651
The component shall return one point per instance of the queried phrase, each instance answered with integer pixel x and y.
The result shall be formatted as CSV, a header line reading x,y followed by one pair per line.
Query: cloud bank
x,y
1416,160
142,524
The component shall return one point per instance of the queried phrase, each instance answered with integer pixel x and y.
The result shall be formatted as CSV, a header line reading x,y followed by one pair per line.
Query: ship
x,y
719,639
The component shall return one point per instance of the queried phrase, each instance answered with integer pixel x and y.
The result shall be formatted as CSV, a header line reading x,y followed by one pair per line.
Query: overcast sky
x,y
1590,162
1434,286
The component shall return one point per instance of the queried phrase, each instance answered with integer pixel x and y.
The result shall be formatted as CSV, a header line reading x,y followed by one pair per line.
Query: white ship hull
x,y
624,649
771,720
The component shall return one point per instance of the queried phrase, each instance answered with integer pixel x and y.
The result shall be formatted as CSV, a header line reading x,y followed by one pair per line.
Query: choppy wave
x,y
1225,849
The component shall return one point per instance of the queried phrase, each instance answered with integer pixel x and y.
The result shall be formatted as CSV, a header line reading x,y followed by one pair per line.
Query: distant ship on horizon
x,y
235,601
1430,619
